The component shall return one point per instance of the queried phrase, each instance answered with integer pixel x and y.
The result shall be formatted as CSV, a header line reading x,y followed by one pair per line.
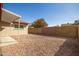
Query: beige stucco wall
x,y
10,31
2,23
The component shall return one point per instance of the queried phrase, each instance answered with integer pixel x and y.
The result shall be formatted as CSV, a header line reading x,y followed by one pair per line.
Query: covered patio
x,y
11,24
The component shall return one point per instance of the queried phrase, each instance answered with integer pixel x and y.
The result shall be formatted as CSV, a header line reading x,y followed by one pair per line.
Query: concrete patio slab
x,y
4,41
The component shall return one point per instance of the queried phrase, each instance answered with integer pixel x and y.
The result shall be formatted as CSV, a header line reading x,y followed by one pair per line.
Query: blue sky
x,y
54,14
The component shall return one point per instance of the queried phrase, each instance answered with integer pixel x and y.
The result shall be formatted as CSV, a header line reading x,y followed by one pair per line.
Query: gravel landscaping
x,y
36,45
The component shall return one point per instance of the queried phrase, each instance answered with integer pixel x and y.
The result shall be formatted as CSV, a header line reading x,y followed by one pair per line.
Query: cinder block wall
x,y
64,31
35,30
78,31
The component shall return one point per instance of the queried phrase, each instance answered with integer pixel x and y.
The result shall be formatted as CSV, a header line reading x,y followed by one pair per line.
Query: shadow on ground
x,y
1,29
69,48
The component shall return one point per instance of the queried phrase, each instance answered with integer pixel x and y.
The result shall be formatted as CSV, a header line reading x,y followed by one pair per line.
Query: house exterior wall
x,y
66,24
4,23
7,30
10,31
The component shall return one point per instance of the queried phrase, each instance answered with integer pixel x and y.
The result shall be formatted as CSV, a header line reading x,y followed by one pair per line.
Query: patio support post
x,y
19,23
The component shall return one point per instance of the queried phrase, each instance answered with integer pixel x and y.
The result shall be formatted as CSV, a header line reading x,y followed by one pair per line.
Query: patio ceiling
x,y
8,16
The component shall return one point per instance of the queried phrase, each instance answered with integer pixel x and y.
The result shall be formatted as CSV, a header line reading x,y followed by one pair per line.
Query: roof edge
x,y
11,12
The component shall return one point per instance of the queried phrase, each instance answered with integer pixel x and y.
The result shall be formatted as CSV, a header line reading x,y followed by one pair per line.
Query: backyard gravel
x,y
36,45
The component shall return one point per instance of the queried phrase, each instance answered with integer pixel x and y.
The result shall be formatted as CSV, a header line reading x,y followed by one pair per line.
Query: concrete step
x,y
4,41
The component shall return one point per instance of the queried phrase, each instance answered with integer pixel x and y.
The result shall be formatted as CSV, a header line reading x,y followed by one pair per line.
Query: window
x,y
21,27
16,26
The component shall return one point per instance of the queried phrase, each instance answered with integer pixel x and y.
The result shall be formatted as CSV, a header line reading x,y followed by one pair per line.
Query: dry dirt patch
x,y
39,45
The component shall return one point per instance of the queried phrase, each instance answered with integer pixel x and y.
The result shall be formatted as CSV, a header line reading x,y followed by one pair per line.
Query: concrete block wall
x,y
35,30
64,31
78,31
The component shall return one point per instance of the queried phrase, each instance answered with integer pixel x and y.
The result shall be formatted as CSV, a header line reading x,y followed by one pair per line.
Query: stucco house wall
x,y
2,23
10,31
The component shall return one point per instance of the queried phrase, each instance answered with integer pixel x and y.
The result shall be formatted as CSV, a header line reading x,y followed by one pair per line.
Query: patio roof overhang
x,y
8,16
21,23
